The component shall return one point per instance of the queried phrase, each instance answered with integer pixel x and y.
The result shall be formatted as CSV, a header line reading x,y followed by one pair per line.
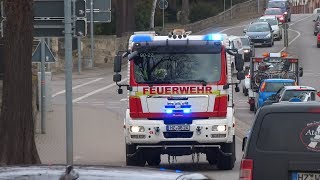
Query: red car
x,y
318,40
275,12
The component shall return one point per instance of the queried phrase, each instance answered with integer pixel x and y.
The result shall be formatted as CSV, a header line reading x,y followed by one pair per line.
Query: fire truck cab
x,y
180,100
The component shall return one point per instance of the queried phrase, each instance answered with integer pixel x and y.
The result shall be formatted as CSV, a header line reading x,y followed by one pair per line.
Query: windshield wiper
x,y
203,82
151,83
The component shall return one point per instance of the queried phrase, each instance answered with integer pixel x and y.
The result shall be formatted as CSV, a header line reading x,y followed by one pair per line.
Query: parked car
x,y
316,25
260,33
316,11
270,87
285,7
275,12
318,40
273,21
283,143
286,94
248,48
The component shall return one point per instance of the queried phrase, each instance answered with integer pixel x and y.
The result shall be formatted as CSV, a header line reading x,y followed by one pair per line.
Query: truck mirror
x,y
120,91
117,63
117,77
300,72
240,75
244,142
239,62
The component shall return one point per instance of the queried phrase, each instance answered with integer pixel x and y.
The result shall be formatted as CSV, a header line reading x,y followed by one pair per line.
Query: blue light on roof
x,y
178,171
141,38
213,37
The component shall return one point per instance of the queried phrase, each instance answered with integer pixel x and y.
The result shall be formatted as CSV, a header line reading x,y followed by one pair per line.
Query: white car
x,y
316,11
275,25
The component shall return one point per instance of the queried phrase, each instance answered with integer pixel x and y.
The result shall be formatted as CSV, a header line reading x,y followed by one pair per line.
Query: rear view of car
x,y
269,87
260,34
248,48
284,143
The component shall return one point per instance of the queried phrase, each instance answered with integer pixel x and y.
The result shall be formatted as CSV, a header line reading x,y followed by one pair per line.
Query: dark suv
x,y
284,143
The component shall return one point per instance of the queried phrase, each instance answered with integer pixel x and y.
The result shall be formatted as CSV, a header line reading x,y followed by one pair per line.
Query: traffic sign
x,y
55,27
99,17
163,4
55,8
36,56
102,5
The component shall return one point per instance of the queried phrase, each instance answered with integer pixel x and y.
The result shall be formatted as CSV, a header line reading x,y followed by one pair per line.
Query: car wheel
x,y
318,45
252,107
315,33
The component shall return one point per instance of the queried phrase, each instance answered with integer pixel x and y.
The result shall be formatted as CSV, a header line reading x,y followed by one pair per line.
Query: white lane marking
x,y
76,87
96,91
242,108
124,99
299,34
231,28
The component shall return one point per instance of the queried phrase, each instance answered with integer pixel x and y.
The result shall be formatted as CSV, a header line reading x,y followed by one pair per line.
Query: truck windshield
x,y
154,68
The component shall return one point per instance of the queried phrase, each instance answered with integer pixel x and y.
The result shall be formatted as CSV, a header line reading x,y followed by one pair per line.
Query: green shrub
x,y
202,10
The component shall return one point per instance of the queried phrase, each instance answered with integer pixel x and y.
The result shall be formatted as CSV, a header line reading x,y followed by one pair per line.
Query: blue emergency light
x,y
213,37
141,38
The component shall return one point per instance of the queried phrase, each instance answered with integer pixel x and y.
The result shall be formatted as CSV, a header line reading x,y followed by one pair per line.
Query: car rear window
x,y
275,86
293,93
290,132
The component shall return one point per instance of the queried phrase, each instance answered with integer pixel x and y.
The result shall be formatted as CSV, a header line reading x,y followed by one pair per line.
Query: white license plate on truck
x,y
305,176
178,127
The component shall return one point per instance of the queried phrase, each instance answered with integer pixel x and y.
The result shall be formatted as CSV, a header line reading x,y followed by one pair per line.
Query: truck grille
x,y
177,134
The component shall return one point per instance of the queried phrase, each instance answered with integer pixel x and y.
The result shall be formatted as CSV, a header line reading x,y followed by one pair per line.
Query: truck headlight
x,y
246,51
136,129
219,128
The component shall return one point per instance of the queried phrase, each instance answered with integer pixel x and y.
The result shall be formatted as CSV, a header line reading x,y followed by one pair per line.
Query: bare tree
x,y
17,143
153,11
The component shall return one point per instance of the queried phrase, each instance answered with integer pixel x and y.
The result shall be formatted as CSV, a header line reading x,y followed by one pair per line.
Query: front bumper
x,y
200,133
261,42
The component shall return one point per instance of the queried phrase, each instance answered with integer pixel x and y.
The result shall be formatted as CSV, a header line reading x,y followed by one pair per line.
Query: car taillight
x,y
246,169
263,86
293,60
135,107
318,36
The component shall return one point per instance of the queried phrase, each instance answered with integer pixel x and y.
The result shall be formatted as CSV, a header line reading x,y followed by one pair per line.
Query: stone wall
x,y
106,46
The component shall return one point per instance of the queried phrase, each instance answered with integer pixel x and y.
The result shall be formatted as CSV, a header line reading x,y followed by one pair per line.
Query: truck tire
x,y
133,157
227,162
252,107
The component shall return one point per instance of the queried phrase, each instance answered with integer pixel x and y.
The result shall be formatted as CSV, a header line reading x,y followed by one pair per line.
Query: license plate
x,y
258,44
178,127
305,176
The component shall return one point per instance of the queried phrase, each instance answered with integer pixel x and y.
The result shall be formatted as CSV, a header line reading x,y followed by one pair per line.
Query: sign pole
x,y
43,87
68,83
79,54
91,34
163,17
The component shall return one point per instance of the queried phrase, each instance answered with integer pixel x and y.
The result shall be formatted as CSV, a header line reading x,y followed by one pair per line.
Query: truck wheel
x,y
212,156
227,163
134,158
245,91
252,107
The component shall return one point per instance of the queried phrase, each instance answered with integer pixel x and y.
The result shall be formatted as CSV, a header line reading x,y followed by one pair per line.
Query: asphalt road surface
x,y
98,110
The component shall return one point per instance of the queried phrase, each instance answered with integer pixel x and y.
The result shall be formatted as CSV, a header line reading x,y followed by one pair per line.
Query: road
x,y
98,110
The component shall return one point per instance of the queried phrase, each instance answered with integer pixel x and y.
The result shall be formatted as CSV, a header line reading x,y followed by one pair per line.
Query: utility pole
x,y
43,86
286,38
68,83
91,34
